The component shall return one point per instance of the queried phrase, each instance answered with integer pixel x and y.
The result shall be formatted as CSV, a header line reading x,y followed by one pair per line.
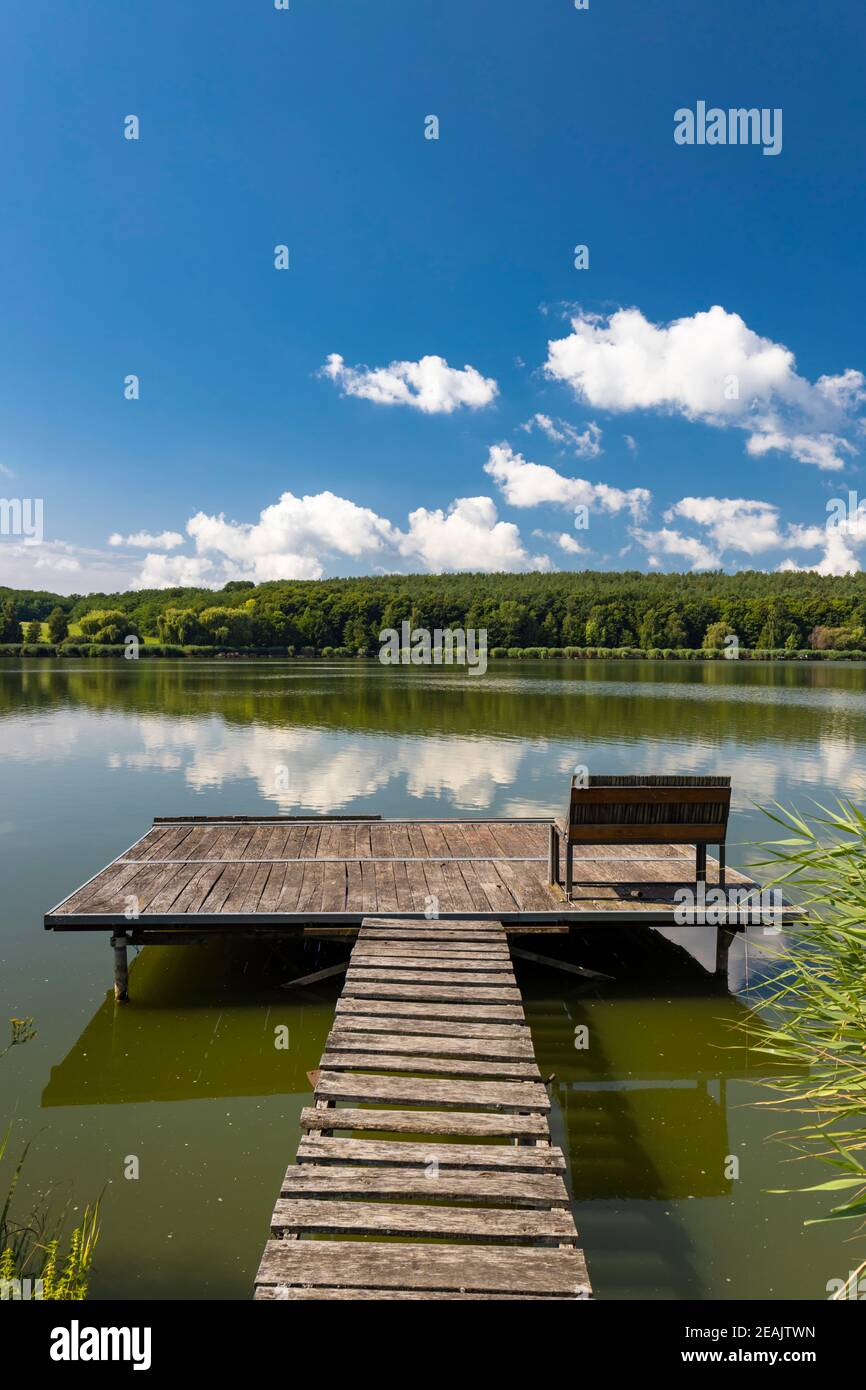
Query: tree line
x,y
590,609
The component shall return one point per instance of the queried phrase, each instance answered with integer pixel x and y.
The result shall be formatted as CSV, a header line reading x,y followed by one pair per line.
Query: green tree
x,y
675,634
227,627
512,624
714,637
33,631
778,626
573,629
356,635
839,639
608,625
10,628
178,625
58,625
98,619
657,629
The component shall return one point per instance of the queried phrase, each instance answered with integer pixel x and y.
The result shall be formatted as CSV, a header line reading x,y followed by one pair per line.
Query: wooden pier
x,y
189,877
430,1071
271,873
427,1169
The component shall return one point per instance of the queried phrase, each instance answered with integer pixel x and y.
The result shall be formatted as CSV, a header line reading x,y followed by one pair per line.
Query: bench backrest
x,y
647,810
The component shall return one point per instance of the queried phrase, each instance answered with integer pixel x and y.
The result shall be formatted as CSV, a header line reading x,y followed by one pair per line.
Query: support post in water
x,y
724,937
121,968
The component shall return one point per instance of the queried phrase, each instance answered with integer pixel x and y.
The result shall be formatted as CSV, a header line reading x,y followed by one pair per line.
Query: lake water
x,y
186,1077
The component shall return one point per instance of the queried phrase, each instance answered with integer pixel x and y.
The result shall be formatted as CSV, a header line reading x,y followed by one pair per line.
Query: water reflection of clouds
x,y
765,773
328,769
44,737
145,762
324,770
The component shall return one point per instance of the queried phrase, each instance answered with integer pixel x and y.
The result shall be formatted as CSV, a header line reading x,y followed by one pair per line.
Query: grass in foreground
x,y
815,1022
31,1248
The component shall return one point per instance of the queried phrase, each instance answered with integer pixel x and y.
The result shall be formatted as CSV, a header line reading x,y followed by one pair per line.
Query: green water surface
x,y
187,1078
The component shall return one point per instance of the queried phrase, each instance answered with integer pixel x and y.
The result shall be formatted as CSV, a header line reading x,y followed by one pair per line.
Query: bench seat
x,y
642,810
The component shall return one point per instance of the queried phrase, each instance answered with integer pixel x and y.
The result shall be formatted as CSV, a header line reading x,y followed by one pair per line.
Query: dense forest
x,y
591,609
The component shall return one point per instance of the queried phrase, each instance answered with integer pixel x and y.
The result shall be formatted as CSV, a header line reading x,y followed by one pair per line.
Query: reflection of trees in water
x,y
585,700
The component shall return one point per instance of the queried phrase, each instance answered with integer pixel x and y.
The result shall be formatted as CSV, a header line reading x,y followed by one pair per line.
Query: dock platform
x,y
429,1060
275,874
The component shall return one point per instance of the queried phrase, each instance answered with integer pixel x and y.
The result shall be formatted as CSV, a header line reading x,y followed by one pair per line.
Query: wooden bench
x,y
638,810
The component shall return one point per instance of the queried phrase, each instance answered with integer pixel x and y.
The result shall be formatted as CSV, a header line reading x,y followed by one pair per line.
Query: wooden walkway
x,y
428,1061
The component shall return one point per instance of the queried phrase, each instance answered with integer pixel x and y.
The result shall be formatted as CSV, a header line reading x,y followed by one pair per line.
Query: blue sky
x,y
306,128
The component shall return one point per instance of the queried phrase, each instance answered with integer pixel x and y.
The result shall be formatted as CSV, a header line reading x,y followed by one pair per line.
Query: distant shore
x,y
162,651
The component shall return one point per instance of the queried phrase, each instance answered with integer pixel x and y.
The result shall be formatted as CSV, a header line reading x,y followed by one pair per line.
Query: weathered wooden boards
x,y
318,867
220,875
429,1047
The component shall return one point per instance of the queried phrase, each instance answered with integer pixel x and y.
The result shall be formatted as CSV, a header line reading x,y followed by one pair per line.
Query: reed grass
x,y
814,1022
34,1248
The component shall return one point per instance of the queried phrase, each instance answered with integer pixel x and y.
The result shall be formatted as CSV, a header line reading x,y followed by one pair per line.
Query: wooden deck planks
x,y
427,1182
250,872
361,1087
401,1008
476,1125
458,1223
441,1065
491,1049
434,993
449,1269
445,1027
284,1293
410,973
493,1218
507,1157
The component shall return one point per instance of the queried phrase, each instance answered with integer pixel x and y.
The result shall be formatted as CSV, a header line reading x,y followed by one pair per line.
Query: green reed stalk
x,y
30,1248
814,1024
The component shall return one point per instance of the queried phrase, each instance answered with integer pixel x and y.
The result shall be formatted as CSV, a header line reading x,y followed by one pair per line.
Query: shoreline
x,y
81,651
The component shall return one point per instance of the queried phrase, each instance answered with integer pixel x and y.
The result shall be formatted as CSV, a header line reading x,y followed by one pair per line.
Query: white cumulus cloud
x,y
824,450
676,545
753,527
306,537
841,538
569,544
468,536
586,444
292,536
429,385
709,367
739,523
838,558
179,572
166,540
526,484
564,540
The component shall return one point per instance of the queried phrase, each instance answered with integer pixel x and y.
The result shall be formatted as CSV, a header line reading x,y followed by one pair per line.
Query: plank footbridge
x,y
427,1135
